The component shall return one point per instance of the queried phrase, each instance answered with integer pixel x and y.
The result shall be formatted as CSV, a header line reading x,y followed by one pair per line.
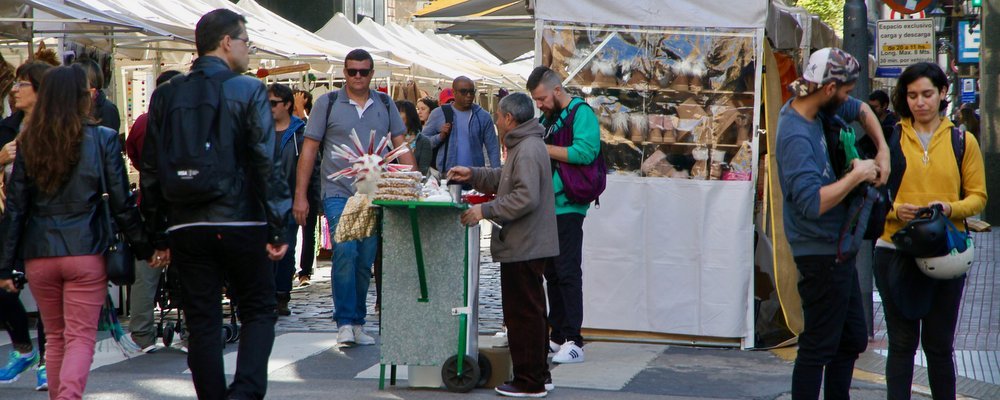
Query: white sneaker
x,y
568,353
549,386
553,347
345,336
362,338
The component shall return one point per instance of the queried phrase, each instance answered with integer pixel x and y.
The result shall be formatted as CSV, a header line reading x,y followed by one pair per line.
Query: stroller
x,y
171,316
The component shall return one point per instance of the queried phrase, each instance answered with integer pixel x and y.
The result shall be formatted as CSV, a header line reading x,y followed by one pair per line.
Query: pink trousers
x,y
70,292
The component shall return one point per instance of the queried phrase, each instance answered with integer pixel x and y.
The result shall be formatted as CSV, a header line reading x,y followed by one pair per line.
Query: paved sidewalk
x,y
312,306
977,340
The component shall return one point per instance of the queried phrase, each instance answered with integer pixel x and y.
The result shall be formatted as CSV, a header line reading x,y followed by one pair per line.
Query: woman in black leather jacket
x,y
13,316
54,222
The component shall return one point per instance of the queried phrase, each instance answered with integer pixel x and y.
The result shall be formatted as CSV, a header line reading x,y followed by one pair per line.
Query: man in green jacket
x,y
565,276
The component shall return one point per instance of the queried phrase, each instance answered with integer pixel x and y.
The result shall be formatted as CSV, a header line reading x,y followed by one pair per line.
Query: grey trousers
x,y
142,302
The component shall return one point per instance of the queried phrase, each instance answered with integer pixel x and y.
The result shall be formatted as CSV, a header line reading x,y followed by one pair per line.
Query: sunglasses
x,y
466,92
274,103
358,72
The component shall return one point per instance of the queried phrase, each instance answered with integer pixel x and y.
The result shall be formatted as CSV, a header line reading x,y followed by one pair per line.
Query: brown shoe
x,y
304,281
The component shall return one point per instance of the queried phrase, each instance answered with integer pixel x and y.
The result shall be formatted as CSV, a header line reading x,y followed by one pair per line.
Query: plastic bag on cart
x,y
357,221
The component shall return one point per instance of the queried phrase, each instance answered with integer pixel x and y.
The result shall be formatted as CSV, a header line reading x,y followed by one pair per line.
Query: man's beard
x,y
831,106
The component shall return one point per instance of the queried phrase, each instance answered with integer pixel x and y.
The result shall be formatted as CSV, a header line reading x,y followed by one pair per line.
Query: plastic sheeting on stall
x,y
720,14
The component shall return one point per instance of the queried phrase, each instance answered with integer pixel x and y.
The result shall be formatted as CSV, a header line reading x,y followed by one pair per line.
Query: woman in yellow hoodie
x,y
925,166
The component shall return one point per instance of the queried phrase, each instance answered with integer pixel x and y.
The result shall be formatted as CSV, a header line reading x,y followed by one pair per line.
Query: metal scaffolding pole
x,y
989,75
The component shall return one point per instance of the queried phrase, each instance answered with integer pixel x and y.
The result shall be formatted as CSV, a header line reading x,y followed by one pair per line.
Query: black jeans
x,y
935,331
14,320
564,278
204,256
308,253
835,332
523,301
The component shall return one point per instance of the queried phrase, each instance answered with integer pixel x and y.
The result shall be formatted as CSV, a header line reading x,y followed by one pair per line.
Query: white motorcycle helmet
x,y
949,266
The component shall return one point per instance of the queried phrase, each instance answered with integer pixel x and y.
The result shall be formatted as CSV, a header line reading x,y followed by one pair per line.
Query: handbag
x,y
118,260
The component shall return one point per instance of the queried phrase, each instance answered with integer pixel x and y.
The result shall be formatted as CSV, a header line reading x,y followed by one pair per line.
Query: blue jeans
x,y
284,269
352,269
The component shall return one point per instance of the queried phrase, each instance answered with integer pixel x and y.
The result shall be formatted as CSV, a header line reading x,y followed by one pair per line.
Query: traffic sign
x,y
968,90
969,39
908,6
902,42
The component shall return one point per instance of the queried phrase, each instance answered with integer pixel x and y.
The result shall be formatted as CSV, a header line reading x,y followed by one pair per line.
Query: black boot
x,y
283,299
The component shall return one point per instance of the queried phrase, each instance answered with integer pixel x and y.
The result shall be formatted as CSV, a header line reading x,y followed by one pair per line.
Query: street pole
x,y
856,42
989,104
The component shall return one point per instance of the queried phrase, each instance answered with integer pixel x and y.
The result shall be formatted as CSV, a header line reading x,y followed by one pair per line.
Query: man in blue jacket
x,y
463,133
290,134
815,210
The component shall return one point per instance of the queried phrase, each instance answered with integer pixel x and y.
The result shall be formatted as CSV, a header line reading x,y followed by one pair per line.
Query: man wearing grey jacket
x,y
526,243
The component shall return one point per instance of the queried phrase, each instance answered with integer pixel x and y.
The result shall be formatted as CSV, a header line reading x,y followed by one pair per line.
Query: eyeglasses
x,y
251,49
20,84
274,103
466,92
358,72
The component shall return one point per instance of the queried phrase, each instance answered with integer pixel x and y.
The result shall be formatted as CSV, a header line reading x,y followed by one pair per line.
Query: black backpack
x,y
195,164
449,117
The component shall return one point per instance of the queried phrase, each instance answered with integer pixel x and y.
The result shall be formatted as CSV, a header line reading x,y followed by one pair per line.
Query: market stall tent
x,y
345,31
663,255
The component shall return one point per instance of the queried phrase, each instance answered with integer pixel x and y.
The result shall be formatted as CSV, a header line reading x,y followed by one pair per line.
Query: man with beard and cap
x,y
815,209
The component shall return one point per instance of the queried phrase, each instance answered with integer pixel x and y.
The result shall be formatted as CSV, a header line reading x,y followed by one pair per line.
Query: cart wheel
x,y
227,333
236,333
485,370
168,334
460,383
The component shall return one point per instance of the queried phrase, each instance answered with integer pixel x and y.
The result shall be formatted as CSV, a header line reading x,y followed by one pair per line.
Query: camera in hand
x,y
19,279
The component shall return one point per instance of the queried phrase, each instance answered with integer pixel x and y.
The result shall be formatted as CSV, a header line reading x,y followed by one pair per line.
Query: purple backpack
x,y
582,184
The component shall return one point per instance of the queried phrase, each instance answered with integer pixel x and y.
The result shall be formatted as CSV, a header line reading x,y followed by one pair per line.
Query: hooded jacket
x,y
288,151
524,203
483,143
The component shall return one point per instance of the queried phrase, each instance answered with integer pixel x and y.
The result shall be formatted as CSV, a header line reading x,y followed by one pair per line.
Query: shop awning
x,y
502,27
448,9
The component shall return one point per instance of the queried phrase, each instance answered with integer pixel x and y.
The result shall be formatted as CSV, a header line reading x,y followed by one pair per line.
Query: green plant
x,y
831,12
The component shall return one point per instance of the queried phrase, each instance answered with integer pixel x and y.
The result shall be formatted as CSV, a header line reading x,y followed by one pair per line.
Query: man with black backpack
x,y
357,107
821,187
214,202
462,133
573,140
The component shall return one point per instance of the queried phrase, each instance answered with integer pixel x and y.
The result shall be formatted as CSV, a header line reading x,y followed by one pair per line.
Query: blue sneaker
x,y
43,379
16,365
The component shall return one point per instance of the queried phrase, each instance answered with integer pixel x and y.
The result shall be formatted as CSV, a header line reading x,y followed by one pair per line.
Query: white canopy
x,y
346,32
287,29
718,13
268,31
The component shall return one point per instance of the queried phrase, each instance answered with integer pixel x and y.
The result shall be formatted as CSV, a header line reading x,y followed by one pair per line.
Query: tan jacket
x,y
524,204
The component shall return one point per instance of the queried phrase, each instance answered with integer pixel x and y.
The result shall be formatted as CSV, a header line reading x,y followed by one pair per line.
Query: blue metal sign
x,y
968,42
888,72
968,90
